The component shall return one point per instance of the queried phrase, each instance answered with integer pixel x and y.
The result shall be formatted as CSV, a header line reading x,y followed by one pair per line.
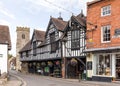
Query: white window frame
x,y
106,10
109,26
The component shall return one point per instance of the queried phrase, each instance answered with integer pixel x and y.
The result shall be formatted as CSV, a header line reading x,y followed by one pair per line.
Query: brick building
x,y
102,43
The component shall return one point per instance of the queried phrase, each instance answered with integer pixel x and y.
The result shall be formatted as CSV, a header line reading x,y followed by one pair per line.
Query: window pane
x,y
103,65
75,39
106,33
23,36
106,10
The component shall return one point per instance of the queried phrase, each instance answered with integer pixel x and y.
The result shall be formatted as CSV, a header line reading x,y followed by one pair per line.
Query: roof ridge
x,y
60,24
39,30
94,1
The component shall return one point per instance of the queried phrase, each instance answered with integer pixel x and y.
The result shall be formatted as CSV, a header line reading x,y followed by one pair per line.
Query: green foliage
x,y
10,56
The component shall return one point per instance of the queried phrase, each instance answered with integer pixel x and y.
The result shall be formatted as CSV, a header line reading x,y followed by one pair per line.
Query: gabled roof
x,y
59,24
5,36
81,19
39,35
93,2
27,47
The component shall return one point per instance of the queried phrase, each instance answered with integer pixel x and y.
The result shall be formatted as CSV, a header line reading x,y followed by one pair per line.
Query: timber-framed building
x,y
44,55
73,42
58,51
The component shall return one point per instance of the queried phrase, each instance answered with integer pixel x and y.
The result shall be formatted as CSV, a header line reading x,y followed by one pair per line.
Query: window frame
x,y
27,54
75,39
102,33
53,43
23,36
34,48
21,54
104,63
106,9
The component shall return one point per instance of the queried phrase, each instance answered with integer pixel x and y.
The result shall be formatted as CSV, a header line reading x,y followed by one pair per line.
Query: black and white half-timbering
x,y
73,43
58,51
42,54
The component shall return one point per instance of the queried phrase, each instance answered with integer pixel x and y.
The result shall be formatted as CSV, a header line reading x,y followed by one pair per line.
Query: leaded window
x,y
52,41
75,39
34,48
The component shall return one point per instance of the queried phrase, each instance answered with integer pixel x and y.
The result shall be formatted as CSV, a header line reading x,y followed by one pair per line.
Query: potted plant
x,y
113,79
43,64
57,62
73,62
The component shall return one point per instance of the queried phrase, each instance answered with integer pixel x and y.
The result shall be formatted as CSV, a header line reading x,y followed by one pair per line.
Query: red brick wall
x,y
94,17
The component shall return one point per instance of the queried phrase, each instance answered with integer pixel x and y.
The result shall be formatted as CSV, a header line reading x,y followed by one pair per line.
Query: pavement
x,y
16,79
13,80
88,83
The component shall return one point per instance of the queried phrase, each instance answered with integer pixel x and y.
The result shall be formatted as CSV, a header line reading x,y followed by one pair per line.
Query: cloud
x,y
56,5
5,11
4,22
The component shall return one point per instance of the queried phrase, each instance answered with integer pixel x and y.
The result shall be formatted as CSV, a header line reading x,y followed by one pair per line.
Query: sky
x,y
35,14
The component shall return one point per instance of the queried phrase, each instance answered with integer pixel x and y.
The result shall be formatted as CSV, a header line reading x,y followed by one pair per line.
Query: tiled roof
x,y
42,44
81,19
39,35
60,24
5,36
94,1
26,47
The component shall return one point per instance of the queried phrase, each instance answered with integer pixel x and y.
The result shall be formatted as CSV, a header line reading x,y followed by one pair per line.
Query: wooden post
x,y
63,68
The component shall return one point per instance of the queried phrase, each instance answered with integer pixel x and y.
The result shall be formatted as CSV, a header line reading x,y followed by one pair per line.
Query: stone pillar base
x,y
24,68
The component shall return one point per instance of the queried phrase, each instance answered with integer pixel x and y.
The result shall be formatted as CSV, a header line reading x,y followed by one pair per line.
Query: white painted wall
x,y
90,58
113,65
3,57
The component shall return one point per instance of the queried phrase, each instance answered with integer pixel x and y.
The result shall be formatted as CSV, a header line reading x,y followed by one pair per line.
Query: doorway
x,y
118,66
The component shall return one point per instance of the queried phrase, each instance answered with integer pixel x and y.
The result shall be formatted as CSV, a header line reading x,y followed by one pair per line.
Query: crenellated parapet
x,y
23,29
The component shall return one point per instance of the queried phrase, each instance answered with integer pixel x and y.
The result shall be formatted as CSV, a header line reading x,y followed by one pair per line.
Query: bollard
x,y
79,77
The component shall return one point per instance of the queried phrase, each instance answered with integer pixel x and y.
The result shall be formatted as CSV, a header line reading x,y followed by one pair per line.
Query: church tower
x,y
23,36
